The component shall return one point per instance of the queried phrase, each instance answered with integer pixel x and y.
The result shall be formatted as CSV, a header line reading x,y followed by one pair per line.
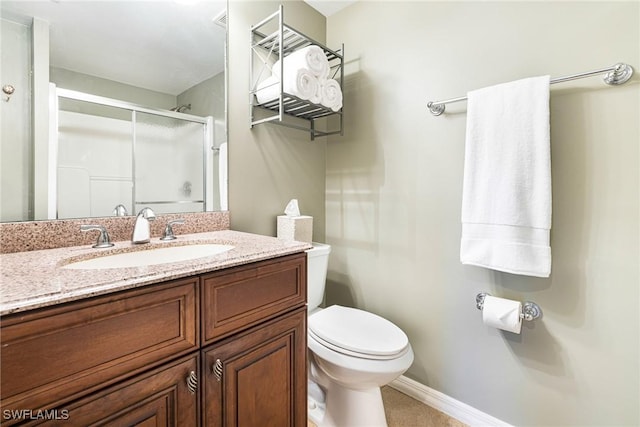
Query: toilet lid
x,y
358,331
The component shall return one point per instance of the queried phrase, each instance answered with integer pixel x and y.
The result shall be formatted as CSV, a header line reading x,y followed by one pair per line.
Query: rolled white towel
x,y
302,84
331,94
311,57
268,90
317,96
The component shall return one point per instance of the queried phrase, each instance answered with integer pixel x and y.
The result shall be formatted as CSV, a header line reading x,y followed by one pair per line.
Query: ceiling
x,y
167,46
328,7
163,45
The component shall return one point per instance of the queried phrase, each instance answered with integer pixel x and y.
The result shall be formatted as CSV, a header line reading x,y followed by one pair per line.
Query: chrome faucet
x,y
141,228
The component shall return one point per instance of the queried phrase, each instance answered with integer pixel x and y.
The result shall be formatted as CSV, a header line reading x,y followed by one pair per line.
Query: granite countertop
x,y
36,279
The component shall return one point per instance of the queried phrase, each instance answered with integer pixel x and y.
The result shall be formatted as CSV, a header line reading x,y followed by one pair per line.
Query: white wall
x,y
393,197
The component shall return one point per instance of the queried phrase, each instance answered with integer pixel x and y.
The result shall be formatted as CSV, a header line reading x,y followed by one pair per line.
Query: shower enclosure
x,y
109,152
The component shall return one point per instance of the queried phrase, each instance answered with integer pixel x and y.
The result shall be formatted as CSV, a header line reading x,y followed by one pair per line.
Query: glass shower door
x,y
109,152
169,164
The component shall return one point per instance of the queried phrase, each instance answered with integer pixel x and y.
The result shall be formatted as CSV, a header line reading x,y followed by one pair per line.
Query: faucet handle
x,y
103,238
168,230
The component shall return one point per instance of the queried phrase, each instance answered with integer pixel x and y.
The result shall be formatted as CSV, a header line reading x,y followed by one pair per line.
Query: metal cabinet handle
x,y
217,370
192,382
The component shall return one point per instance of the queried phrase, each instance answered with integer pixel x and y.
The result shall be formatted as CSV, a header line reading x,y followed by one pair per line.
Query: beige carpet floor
x,y
404,411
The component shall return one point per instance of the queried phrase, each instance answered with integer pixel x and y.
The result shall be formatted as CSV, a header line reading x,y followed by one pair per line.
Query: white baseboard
x,y
443,403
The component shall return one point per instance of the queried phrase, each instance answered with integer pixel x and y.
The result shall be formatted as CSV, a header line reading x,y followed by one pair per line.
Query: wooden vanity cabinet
x,y
224,348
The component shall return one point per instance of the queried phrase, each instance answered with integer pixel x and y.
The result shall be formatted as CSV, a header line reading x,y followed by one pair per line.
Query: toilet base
x,y
349,408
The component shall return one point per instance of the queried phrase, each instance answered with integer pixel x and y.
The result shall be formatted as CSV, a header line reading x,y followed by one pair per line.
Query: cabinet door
x,y
258,378
165,396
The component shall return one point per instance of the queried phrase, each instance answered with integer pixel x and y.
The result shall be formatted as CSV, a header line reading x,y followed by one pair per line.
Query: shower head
x,y
181,108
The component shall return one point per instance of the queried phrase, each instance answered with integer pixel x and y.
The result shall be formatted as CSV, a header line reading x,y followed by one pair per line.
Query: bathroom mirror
x,y
127,105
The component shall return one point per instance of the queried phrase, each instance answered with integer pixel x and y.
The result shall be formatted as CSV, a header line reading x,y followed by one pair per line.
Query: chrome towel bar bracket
x,y
530,310
617,74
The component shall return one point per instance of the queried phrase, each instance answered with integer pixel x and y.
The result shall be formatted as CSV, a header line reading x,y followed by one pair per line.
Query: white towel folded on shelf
x,y
311,58
268,90
301,83
331,94
506,199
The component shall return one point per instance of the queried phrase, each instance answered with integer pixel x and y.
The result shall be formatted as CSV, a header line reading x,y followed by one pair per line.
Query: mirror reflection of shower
x,y
113,153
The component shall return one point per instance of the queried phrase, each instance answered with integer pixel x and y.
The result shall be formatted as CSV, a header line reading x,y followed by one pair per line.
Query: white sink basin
x,y
150,257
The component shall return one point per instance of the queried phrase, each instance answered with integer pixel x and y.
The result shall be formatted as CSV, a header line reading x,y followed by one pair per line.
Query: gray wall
x,y
16,154
269,164
393,201
67,79
206,99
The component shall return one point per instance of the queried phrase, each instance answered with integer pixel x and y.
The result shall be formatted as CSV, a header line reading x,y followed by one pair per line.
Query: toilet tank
x,y
317,262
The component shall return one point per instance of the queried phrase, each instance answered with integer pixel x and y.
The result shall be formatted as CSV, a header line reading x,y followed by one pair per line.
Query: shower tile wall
x,y
94,165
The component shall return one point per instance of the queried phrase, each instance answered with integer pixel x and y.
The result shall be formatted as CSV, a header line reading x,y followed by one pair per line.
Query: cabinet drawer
x,y
157,398
244,296
50,356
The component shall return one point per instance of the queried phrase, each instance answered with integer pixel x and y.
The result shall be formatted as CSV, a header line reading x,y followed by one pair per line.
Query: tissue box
x,y
298,228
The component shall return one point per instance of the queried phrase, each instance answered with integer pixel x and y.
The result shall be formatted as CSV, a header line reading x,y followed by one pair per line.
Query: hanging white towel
x,y
506,198
311,58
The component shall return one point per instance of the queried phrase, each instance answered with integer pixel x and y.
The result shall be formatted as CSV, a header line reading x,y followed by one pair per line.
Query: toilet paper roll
x,y
502,314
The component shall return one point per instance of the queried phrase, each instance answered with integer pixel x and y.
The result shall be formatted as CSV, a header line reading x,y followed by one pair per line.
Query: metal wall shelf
x,y
266,49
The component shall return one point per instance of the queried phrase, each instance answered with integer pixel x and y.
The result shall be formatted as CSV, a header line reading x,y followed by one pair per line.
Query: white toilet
x,y
352,353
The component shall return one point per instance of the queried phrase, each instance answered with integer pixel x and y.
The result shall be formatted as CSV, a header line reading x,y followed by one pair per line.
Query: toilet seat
x,y
357,333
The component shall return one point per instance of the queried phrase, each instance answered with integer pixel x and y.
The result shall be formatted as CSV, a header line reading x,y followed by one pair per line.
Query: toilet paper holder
x,y
530,310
